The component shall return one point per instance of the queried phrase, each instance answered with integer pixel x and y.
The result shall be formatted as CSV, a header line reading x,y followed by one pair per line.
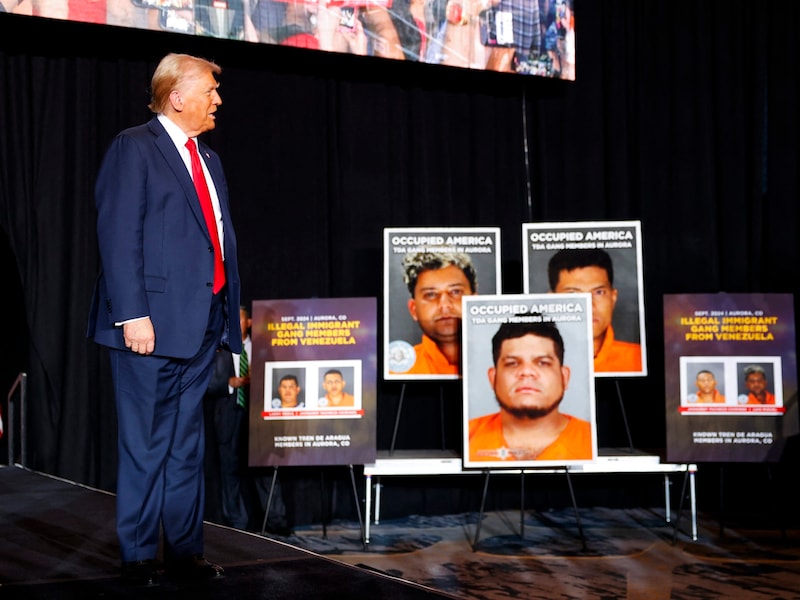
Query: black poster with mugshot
x,y
730,376
313,382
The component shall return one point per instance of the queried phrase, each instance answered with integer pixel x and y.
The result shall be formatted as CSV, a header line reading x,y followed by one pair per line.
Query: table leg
x,y
368,499
692,495
667,506
378,487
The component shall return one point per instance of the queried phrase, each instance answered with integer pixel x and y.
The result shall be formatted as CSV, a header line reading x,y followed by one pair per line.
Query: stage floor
x,y
58,542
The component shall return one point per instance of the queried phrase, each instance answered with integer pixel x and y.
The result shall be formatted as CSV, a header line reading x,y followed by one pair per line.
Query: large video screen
x,y
529,37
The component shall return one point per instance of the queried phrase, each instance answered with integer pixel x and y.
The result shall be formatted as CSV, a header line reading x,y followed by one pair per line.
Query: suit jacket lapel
x,y
173,158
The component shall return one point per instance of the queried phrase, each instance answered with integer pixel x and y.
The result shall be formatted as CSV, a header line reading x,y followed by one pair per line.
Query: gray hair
x,y
416,264
751,369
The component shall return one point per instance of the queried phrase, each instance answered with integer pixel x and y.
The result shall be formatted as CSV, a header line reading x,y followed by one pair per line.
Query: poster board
x,y
721,352
313,382
528,378
619,320
435,306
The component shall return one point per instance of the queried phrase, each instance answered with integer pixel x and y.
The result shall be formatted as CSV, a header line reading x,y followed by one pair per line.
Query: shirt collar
x,y
177,135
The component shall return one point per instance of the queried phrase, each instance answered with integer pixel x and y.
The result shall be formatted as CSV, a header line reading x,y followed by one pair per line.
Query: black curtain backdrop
x,y
683,115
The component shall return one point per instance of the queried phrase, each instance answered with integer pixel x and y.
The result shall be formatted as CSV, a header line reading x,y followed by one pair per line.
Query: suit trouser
x,y
160,481
230,422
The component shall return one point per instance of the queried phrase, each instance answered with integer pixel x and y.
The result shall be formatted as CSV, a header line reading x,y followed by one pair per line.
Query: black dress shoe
x,y
140,573
193,567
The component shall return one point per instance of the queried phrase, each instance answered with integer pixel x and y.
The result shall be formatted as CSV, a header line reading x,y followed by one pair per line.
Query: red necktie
x,y
208,212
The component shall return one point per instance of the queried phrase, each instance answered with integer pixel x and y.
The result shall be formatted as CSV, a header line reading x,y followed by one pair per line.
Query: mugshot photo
x,y
427,272
603,259
705,383
338,385
759,381
287,388
528,383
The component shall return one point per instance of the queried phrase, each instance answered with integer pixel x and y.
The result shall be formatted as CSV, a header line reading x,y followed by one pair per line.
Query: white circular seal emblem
x,y
401,356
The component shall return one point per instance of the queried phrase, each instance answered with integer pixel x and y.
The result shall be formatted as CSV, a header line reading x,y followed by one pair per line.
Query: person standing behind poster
x,y
591,271
229,391
437,281
529,380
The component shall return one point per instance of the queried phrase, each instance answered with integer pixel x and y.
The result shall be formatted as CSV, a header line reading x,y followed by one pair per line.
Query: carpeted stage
x,y
58,542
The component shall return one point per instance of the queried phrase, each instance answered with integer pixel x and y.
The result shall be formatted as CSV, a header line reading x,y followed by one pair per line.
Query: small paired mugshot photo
x,y
731,385
313,389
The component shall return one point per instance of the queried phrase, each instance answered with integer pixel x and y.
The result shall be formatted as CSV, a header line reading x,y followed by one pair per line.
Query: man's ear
x,y
565,373
412,308
175,100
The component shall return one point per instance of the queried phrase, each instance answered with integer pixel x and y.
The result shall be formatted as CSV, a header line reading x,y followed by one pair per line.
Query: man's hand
x,y
239,382
140,336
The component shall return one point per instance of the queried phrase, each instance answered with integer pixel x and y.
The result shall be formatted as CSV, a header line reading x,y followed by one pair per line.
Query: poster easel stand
x,y
487,473
397,419
624,415
400,410
324,503
269,499
680,507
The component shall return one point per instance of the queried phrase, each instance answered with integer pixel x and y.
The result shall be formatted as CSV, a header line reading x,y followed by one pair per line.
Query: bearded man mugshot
x,y
529,379
755,381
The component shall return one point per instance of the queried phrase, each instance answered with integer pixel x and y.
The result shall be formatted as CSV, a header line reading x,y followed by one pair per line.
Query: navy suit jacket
x,y
156,253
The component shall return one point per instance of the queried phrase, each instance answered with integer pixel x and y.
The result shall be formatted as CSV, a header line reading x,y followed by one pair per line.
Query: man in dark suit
x,y
165,300
228,394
